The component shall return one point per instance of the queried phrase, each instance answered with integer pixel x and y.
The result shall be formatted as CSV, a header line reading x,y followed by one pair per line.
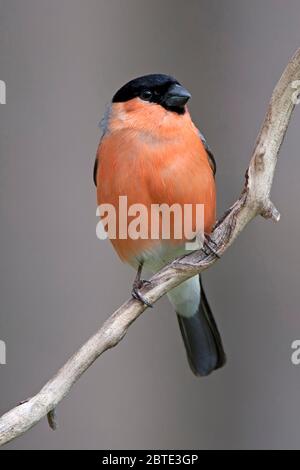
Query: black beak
x,y
176,96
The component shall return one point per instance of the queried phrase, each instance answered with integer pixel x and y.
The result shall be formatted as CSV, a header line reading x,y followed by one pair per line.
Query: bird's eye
x,y
146,95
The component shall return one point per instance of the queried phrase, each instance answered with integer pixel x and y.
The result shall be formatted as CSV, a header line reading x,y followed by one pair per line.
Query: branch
x,y
254,200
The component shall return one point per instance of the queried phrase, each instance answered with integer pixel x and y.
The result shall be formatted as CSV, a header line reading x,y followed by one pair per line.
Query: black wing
x,y
95,171
103,126
211,157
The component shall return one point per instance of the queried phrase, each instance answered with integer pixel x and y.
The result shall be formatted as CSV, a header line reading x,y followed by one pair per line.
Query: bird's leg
x,y
210,244
137,285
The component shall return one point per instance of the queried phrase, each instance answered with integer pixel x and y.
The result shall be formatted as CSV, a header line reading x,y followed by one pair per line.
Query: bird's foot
x,y
136,294
212,246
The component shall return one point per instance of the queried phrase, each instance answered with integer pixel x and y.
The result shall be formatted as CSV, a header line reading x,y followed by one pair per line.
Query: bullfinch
x,y
151,152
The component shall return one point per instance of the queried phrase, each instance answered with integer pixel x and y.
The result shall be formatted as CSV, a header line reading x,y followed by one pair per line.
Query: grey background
x,y
62,60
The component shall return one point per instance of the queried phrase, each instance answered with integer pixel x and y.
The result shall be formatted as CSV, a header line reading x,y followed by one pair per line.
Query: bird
x,y
151,152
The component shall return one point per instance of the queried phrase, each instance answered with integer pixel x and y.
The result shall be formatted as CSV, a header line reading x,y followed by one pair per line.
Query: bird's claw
x,y
136,294
210,244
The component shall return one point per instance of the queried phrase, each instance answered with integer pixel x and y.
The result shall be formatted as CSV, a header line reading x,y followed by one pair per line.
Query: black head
x,y
157,88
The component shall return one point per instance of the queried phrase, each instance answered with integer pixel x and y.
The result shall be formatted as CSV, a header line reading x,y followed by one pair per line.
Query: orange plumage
x,y
153,156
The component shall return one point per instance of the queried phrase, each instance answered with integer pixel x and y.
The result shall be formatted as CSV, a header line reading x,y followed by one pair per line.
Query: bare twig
x,y
51,417
254,200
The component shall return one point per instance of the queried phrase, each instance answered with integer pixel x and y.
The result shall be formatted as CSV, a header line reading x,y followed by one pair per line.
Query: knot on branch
x,y
269,211
52,419
296,95
259,163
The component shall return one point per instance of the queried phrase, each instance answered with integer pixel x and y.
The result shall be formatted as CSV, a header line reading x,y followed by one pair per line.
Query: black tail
x,y
202,339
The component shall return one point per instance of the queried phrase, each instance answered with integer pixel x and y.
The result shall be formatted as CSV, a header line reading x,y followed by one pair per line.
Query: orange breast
x,y
166,164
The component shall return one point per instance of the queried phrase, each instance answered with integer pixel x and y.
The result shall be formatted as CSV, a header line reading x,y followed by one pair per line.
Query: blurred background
x,y
62,60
